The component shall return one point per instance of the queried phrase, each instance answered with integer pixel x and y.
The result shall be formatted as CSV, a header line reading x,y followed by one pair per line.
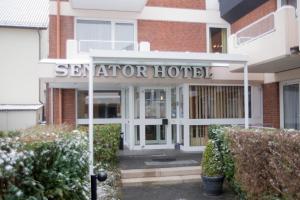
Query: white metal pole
x,y
91,117
246,96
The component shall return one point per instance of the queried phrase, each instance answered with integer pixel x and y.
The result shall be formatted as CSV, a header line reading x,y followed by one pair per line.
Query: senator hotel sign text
x,y
139,71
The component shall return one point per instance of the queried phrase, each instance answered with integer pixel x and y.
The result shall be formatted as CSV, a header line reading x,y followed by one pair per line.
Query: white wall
x,y
15,120
19,56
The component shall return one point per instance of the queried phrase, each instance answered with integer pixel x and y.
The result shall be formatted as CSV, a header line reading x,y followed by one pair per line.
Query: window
x,y
107,104
218,40
289,2
198,135
104,35
217,102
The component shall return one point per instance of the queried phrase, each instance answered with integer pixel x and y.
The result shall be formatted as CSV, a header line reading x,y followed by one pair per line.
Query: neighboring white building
x,y
23,25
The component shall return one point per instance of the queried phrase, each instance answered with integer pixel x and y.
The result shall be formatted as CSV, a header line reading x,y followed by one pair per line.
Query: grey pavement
x,y
185,191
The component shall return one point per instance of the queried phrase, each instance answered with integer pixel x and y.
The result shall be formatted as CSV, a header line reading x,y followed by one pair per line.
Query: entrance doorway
x,y
153,111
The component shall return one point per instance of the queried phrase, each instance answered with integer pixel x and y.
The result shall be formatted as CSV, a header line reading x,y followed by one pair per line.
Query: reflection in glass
x,y
155,134
155,103
107,104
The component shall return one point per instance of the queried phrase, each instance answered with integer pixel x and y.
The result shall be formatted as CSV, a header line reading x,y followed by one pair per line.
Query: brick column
x,y
271,109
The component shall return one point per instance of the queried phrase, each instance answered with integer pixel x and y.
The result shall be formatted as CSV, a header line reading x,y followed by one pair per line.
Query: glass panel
x,y
174,133
173,103
198,135
107,104
155,103
181,135
124,36
289,2
218,40
181,102
291,106
93,34
155,134
136,103
217,102
137,135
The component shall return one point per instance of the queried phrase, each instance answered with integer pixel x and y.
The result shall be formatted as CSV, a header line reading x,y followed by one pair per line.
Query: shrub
x,y
221,137
267,162
106,144
34,168
212,164
260,163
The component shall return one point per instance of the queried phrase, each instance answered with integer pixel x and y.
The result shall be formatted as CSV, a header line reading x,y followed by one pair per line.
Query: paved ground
x,y
157,159
186,191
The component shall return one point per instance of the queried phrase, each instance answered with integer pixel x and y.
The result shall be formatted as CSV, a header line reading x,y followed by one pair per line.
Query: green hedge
x,y
260,163
37,169
51,163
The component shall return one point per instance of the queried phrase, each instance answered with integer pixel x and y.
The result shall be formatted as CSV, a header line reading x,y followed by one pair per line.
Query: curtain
x,y
291,106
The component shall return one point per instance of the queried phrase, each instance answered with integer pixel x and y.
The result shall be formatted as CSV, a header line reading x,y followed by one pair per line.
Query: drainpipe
x,y
58,54
58,29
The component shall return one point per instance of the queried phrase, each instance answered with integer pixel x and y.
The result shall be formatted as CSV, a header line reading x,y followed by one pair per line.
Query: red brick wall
x,y
192,4
56,109
261,11
67,32
173,36
271,110
68,106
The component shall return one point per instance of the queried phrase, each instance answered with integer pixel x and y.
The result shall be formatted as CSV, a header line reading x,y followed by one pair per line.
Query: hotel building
x,y
166,69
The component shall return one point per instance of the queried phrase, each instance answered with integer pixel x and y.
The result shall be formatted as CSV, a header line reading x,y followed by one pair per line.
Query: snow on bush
x,y
44,165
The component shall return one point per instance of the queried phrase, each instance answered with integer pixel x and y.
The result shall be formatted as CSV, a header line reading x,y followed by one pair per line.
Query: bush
x,y
212,164
44,166
106,144
267,163
221,137
261,163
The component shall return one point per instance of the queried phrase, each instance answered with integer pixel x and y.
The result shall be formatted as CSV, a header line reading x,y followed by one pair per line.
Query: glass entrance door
x,y
155,109
291,106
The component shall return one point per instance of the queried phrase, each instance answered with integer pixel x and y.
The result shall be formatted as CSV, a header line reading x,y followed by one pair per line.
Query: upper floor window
x,y
218,40
105,35
289,2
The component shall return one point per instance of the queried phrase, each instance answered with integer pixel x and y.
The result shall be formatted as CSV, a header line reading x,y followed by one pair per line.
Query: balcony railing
x,y
86,45
256,30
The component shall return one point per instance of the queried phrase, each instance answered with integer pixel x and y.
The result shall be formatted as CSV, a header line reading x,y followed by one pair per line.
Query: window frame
x,y
113,25
208,27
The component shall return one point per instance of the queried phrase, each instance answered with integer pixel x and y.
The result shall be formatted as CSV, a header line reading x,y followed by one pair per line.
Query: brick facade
x,y
64,106
271,108
67,32
68,106
191,4
261,11
173,36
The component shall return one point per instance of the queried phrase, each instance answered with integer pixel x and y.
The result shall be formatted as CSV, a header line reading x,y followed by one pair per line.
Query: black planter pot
x,y
213,186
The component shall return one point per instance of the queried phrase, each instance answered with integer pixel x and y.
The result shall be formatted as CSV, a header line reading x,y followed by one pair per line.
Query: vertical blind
x,y
198,135
217,102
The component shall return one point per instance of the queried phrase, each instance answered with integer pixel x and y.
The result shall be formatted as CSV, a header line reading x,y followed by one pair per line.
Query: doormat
x,y
178,162
164,159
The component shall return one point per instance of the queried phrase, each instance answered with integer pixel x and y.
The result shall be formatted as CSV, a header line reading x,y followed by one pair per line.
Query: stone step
x,y
166,180
161,172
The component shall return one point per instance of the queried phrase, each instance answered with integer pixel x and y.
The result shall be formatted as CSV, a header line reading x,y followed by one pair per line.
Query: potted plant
x,y
212,169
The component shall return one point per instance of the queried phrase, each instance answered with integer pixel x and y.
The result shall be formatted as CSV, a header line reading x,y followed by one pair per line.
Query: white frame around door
x,y
281,85
142,122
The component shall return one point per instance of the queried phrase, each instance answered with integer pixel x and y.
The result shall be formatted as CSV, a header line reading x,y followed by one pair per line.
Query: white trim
x,y
208,26
281,84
